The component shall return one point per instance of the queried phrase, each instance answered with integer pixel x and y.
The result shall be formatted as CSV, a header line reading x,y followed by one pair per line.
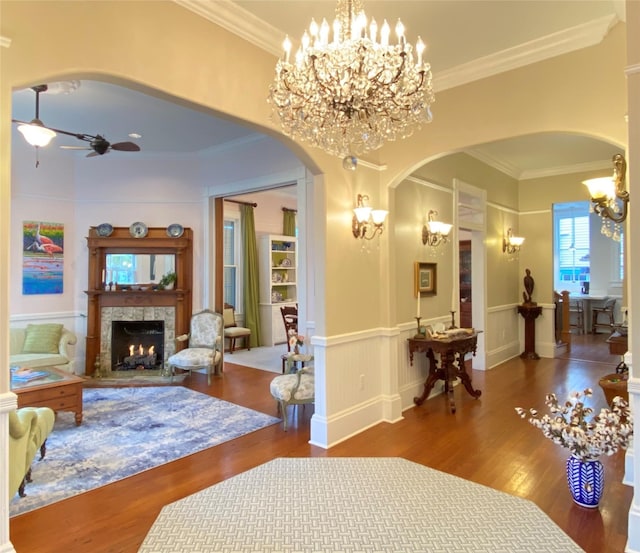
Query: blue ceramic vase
x,y
586,481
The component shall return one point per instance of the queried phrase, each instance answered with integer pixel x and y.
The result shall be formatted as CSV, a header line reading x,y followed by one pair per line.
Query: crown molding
x,y
555,44
239,21
5,42
518,174
501,165
243,23
567,169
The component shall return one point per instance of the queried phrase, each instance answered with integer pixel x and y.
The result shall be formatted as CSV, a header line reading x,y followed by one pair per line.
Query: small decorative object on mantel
x,y
167,282
529,283
175,230
604,434
138,230
104,230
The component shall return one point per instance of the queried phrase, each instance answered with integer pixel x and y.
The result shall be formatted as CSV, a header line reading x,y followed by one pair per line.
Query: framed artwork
x,y
42,257
425,279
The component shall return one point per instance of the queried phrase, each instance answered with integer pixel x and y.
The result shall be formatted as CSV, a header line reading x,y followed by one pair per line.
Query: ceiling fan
x,y
99,145
37,134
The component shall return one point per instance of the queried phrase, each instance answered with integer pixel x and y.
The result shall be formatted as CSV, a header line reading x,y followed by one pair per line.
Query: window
x,y
581,253
572,243
232,292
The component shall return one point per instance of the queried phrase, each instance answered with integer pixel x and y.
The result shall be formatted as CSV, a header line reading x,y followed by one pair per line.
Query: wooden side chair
x,y
606,310
576,314
290,320
232,331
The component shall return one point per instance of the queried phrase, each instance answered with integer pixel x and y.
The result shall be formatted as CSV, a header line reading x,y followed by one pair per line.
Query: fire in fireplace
x,y
137,345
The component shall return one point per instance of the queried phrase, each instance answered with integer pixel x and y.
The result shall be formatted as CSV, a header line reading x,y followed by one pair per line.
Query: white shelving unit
x,y
278,284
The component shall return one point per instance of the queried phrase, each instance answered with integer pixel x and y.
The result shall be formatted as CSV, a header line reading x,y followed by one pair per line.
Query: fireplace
x,y
106,305
146,327
137,345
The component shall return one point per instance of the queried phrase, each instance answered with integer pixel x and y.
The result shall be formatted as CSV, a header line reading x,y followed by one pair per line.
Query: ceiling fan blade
x,y
95,154
126,146
74,148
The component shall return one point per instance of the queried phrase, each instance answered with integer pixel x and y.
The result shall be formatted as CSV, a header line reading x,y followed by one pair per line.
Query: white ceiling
x,y
466,40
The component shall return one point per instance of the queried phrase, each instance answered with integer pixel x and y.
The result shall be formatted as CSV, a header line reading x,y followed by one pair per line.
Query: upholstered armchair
x,y
297,387
205,342
29,429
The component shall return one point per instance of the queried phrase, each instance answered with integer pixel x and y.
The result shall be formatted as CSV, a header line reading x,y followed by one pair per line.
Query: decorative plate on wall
x,y
104,229
175,230
138,230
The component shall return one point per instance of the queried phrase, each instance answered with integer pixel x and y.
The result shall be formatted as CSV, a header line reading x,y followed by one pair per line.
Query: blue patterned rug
x,y
125,431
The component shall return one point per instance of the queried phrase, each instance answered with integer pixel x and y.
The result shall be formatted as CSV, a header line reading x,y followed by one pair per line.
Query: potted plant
x,y
587,439
168,281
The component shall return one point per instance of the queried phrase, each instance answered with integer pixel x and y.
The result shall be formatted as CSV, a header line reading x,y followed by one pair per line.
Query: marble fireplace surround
x,y
141,313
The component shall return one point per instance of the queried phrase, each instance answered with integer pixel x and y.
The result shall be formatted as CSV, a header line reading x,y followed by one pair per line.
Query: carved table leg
x,y
434,375
466,379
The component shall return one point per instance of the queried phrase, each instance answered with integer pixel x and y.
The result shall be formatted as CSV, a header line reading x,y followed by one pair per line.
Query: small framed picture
x,y
425,279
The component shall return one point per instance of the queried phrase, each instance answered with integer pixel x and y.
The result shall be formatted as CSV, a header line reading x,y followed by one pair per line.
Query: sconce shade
x,y
378,216
36,134
362,213
601,187
438,227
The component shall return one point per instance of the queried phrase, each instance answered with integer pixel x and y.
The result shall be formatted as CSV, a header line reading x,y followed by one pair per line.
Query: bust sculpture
x,y
528,288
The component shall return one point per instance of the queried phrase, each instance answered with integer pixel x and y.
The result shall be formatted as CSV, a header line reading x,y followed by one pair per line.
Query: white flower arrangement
x,y
567,425
295,339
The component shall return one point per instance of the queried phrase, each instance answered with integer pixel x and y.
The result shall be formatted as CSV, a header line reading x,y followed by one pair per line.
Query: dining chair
x,y
606,309
231,329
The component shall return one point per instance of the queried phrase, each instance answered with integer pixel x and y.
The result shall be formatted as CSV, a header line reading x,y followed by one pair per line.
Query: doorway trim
x,y
469,214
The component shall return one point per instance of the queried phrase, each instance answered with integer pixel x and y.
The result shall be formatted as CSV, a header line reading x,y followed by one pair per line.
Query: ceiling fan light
x,y
36,134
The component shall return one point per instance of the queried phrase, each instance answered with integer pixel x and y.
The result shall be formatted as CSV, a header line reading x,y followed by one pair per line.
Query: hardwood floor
x,y
484,441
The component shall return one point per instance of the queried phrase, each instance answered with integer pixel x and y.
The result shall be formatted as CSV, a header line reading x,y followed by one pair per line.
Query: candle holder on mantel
x,y
453,320
419,334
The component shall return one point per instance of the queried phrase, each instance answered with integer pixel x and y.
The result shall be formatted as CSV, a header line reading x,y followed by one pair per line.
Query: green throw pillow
x,y
42,338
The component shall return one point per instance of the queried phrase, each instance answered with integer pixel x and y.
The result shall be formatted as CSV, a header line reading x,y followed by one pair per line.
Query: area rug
x,y
263,358
353,505
125,431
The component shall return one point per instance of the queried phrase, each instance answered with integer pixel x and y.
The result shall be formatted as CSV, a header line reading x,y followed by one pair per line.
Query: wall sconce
x,y
511,243
435,233
367,222
608,194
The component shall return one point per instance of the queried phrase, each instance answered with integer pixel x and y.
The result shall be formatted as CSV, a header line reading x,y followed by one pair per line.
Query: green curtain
x,y
251,275
289,222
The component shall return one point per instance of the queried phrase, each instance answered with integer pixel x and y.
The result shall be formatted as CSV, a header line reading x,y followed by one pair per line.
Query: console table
x,y
452,363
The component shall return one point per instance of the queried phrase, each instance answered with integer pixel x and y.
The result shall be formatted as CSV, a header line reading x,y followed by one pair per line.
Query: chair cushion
x,y
283,386
42,338
194,358
236,331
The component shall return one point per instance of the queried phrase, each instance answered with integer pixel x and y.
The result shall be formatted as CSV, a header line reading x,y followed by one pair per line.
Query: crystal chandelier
x,y
350,92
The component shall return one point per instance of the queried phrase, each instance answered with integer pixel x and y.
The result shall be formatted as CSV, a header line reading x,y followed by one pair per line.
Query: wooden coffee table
x,y
57,389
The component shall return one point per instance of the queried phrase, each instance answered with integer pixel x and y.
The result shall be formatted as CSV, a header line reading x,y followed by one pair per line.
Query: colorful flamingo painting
x,y
42,265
